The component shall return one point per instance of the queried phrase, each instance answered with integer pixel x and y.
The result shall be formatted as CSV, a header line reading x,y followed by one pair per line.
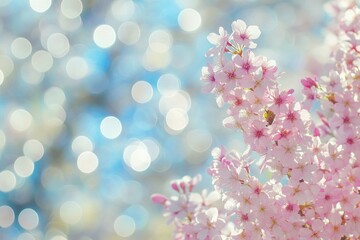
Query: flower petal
x,y
253,32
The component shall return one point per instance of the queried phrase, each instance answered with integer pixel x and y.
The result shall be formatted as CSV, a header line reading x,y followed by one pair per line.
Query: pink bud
x,y
316,132
191,186
182,185
308,82
175,186
158,198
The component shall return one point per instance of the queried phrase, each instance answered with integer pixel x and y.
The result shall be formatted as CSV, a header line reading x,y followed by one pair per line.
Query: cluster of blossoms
x,y
314,191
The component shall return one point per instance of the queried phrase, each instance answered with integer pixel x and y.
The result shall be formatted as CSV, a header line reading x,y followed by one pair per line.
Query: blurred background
x,y
101,105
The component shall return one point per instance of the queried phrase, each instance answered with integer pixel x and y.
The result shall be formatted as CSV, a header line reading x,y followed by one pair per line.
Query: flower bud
x,y
308,83
159,199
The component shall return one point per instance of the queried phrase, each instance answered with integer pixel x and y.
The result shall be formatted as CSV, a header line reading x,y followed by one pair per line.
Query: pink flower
x,y
288,150
247,63
345,120
304,169
237,101
258,137
268,68
334,229
220,41
290,209
291,119
350,141
229,76
243,34
345,102
353,222
309,167
326,199
314,230
279,100
208,224
208,77
179,208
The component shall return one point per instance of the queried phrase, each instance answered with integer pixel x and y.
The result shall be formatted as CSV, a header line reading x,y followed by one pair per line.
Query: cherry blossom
x,y
300,175
244,34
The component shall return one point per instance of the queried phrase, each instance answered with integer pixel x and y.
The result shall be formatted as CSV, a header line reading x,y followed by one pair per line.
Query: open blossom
x,y
245,34
220,41
208,77
309,169
208,225
248,63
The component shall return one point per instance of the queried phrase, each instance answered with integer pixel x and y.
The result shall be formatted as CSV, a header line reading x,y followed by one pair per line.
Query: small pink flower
x,y
278,100
334,229
258,136
345,102
247,63
209,224
208,77
353,223
244,35
220,41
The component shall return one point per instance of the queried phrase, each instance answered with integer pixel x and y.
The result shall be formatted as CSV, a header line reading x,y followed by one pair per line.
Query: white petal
x,y
212,197
238,26
229,122
196,197
213,38
253,32
212,214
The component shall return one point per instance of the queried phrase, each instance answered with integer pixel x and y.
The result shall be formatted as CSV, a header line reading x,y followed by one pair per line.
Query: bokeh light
x,y
124,226
7,216
81,144
87,162
33,149
77,68
42,61
21,48
40,6
110,127
142,92
177,119
70,212
24,166
129,33
104,36
28,219
58,45
189,19
20,119
6,65
168,84
7,181
71,8
160,41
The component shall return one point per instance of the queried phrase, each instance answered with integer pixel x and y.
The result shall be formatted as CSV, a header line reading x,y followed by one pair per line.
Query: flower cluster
x,y
314,191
